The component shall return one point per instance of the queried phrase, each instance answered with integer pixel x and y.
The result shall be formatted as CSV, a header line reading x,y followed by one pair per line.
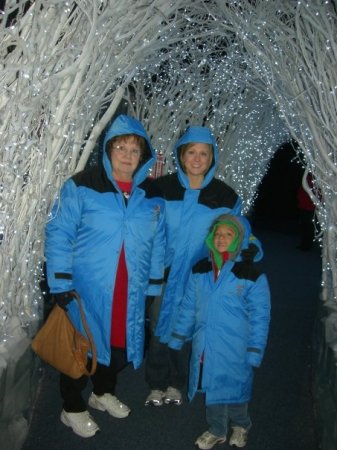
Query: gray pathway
x,y
282,409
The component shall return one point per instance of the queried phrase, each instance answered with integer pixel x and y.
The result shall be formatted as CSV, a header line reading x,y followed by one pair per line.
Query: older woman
x,y
106,241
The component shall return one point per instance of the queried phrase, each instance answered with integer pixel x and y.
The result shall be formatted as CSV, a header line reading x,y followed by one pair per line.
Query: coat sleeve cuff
x,y
175,344
254,357
154,290
177,341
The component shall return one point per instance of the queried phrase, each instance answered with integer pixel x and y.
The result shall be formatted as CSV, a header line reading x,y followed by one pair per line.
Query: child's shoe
x,y
208,440
239,437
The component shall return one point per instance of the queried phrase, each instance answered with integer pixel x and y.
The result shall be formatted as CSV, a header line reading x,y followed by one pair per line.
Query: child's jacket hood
x,y
202,135
243,228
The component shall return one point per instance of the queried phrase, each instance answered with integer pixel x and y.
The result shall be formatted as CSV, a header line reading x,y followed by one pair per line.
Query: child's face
x,y
223,237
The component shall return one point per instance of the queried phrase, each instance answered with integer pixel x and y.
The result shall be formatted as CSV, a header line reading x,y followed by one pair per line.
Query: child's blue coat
x,y
228,321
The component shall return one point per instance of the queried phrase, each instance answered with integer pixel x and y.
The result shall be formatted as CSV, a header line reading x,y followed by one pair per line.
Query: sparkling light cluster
x,y
254,72
294,52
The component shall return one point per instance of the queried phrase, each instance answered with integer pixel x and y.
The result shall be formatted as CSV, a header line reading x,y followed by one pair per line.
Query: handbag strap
x,y
90,338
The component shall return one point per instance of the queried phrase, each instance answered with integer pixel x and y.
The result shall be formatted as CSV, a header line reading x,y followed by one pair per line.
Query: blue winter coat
x,y
228,321
89,224
189,214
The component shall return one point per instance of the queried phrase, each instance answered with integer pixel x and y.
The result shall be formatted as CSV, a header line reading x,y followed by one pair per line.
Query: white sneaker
x,y
110,403
172,396
81,423
239,437
207,440
155,398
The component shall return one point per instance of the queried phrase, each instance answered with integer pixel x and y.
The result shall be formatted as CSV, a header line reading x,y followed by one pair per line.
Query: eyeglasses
x,y
125,151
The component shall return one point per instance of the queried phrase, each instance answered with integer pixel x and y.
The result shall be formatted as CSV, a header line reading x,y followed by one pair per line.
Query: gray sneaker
x,y
155,398
109,403
81,423
207,440
172,396
239,437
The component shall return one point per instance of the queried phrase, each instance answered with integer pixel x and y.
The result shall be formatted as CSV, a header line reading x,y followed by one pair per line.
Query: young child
x,y
226,312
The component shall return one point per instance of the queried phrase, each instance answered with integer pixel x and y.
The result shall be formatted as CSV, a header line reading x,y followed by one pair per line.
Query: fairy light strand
x,y
257,73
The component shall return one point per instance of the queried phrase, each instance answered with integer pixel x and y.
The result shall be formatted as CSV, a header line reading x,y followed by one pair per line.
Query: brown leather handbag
x,y
59,344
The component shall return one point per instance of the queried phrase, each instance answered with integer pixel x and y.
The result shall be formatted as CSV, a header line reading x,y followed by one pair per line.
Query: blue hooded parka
x,y
189,214
89,224
228,321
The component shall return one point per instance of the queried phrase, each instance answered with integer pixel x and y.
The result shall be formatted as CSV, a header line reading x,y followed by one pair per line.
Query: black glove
x,y
248,254
62,299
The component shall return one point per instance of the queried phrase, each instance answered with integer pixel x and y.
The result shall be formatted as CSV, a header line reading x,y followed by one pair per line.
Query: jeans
x,y
163,366
219,416
103,380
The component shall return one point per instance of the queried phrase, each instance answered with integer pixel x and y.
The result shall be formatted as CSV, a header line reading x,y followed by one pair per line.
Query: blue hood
x,y
197,134
128,125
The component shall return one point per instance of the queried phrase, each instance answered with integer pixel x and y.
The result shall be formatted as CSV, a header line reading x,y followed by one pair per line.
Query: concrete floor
x,y
282,408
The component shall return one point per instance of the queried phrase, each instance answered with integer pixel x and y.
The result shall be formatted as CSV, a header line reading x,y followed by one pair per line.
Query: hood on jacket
x,y
202,135
123,125
243,230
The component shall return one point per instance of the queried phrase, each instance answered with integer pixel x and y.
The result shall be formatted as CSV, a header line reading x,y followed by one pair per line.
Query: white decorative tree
x,y
254,72
292,49
64,69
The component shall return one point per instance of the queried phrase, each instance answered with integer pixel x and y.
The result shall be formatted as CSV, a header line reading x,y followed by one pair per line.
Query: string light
x,y
257,73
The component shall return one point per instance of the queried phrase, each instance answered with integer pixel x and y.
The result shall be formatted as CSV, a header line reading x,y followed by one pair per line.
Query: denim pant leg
x,y
104,380
238,416
71,393
157,364
217,418
179,366
157,361
163,366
